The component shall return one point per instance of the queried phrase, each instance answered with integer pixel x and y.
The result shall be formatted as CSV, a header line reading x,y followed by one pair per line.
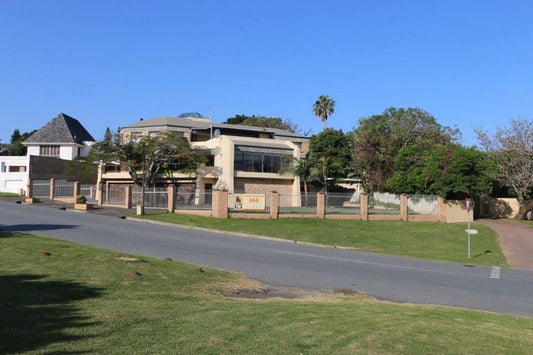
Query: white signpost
x,y
469,231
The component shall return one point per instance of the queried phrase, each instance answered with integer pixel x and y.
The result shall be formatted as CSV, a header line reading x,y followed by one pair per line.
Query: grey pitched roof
x,y
61,129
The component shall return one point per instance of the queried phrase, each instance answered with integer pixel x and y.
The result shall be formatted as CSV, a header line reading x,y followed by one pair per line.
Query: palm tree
x,y
323,108
304,167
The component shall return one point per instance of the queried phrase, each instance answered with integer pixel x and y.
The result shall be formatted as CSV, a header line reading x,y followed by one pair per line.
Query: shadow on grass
x,y
35,227
35,313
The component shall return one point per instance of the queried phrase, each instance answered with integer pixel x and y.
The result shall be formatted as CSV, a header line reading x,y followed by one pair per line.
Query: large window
x,y
49,150
262,160
136,136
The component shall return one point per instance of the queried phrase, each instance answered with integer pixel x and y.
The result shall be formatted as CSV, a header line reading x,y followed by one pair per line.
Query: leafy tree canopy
x,y
15,147
379,138
267,122
331,150
162,154
450,171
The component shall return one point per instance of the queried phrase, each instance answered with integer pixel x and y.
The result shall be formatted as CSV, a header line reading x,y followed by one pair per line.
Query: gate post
x,y
321,205
170,198
52,188
364,206
220,204
274,205
403,207
100,193
127,197
76,190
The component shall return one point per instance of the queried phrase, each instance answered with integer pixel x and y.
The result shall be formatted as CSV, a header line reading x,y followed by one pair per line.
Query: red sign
x,y
468,202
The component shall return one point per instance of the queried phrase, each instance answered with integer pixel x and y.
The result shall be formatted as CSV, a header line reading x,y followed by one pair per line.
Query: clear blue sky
x,y
108,63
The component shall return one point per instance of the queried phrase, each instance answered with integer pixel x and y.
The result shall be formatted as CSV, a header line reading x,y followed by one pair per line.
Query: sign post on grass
x,y
468,202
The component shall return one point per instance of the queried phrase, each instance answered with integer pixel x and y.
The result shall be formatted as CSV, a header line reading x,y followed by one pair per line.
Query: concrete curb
x,y
238,234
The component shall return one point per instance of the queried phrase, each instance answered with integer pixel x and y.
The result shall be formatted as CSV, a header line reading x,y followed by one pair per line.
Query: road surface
x,y
283,264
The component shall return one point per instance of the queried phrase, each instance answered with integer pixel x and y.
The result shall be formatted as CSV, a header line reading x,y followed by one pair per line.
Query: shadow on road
x,y
35,227
36,313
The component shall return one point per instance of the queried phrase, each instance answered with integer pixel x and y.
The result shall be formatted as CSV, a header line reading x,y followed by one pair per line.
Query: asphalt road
x,y
283,264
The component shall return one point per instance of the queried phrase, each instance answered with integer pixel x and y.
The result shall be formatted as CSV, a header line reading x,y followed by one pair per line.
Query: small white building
x,y
49,149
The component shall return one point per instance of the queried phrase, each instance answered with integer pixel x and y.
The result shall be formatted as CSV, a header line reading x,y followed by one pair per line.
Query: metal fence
x,y
154,197
342,203
41,188
423,205
63,188
89,191
384,203
193,200
297,204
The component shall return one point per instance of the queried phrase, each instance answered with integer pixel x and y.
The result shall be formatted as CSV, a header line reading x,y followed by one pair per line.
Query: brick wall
x,y
47,167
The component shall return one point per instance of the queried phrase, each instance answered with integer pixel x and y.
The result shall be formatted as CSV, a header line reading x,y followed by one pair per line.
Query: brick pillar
x,y
403,207
170,198
274,205
100,194
52,188
76,190
29,189
127,197
321,205
220,204
363,202
442,209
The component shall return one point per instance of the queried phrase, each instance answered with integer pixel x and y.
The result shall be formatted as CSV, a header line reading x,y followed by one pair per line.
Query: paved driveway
x,y
516,240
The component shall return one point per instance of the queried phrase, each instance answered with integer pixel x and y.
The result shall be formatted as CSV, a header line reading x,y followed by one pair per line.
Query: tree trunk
x,y
524,209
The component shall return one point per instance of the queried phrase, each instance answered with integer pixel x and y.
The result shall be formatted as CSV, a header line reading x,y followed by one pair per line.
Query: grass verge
x,y
9,194
84,299
428,240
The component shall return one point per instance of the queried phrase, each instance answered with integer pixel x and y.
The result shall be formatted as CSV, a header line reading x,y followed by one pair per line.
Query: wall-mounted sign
x,y
249,202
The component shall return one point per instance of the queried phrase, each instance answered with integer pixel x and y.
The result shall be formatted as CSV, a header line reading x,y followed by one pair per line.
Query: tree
x,y
16,147
303,167
108,136
450,171
150,156
331,150
511,148
379,138
82,169
266,122
324,107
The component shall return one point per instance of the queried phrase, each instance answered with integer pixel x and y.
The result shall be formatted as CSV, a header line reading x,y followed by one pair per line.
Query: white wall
x,y
33,150
68,152
13,182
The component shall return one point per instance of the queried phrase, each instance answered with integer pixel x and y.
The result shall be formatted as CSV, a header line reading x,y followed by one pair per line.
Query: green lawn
x,y
428,240
9,194
83,299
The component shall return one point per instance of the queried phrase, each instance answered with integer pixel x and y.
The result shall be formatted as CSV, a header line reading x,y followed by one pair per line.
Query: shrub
x,y
80,199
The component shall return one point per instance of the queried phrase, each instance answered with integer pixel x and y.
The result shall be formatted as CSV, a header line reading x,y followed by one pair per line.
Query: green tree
x,y
303,167
262,121
450,171
151,156
108,136
82,169
324,107
331,150
16,147
379,138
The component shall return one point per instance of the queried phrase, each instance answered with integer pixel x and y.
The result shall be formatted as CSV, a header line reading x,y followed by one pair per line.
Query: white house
x,y
49,149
